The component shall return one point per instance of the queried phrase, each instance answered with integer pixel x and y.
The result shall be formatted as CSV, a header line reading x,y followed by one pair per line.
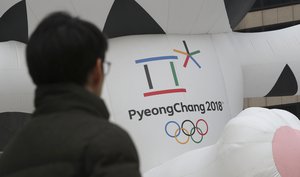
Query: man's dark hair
x,y
64,49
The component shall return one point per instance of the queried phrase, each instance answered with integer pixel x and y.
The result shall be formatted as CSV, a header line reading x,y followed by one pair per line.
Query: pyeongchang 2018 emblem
x,y
171,58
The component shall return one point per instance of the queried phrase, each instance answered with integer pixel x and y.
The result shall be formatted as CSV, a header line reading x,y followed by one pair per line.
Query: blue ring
x,y
167,131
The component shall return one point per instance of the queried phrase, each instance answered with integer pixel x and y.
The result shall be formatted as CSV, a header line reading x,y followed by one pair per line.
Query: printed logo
x,y
171,60
187,130
190,132
188,55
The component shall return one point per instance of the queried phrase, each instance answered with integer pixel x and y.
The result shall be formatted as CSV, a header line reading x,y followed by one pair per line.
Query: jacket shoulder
x,y
112,151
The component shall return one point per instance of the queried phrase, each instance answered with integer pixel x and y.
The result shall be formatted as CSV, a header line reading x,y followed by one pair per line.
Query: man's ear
x,y
95,78
97,72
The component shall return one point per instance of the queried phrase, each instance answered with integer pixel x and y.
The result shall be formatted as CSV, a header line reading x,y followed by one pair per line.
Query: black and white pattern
x,y
13,23
121,17
127,17
286,84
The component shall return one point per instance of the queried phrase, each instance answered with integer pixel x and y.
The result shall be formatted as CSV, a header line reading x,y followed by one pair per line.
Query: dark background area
x,y
293,108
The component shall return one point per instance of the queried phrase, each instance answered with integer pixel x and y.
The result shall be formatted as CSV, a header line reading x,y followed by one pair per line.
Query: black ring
x,y
192,133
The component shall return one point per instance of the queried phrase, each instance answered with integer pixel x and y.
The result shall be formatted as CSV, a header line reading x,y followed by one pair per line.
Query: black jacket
x,y
69,135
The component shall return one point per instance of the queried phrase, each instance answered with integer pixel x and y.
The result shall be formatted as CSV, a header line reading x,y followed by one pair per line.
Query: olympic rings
x,y
190,133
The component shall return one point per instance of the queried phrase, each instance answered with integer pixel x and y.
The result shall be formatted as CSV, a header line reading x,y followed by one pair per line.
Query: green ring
x,y
199,134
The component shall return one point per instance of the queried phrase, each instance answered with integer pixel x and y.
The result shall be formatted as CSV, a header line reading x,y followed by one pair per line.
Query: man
x,y
69,134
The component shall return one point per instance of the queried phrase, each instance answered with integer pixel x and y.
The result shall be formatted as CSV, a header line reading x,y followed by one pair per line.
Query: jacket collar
x,y
61,97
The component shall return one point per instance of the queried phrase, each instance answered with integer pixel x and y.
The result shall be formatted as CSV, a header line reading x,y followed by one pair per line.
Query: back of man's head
x,y
64,49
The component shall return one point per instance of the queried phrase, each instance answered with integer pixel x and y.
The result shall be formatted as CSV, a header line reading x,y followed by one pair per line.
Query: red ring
x,y
198,127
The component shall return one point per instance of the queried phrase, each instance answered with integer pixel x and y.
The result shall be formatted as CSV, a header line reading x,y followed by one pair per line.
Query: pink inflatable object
x,y
286,154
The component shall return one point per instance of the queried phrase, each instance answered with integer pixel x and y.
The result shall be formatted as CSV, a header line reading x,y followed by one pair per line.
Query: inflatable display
x,y
178,72
257,142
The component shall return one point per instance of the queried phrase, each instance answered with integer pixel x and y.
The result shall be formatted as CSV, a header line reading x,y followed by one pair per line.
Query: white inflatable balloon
x,y
158,83
258,142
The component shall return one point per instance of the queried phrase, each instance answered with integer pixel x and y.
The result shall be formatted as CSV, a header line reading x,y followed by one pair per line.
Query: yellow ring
x,y
188,139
